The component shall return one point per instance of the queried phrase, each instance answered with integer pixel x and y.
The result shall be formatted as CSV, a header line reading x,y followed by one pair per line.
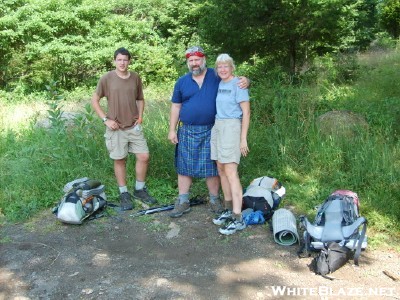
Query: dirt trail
x,y
156,257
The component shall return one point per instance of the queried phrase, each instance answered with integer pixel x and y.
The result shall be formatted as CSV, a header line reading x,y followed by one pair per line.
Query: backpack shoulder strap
x,y
322,209
360,241
349,213
305,248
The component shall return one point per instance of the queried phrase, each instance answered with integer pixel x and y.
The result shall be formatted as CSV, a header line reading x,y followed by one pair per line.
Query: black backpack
x,y
264,194
331,257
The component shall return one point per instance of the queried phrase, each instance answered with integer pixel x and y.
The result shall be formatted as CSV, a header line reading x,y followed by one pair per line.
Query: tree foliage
x,y
390,17
72,41
289,31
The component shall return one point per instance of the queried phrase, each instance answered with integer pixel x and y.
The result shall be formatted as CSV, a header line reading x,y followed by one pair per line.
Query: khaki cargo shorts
x,y
225,141
121,142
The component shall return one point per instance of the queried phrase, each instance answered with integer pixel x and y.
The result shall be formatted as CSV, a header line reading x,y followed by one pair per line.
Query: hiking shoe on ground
x,y
216,207
143,195
232,226
126,201
224,216
179,209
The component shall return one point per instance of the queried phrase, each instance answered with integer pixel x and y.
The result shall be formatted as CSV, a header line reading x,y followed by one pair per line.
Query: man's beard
x,y
198,71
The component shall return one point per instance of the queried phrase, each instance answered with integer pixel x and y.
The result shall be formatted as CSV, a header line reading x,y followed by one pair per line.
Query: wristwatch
x,y
104,119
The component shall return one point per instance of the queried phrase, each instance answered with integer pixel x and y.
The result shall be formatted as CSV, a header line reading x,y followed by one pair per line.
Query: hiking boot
x,y
232,226
226,215
217,207
144,196
179,209
126,201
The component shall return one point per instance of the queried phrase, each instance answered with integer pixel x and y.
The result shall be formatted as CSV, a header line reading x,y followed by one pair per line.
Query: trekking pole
x,y
194,201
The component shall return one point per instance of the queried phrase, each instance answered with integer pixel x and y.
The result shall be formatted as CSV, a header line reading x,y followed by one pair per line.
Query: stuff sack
x,y
264,194
254,218
82,199
337,220
331,258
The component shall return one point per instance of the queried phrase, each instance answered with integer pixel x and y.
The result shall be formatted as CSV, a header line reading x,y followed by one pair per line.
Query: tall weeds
x,y
35,162
285,142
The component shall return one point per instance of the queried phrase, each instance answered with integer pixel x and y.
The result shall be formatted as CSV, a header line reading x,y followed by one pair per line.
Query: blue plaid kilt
x,y
193,152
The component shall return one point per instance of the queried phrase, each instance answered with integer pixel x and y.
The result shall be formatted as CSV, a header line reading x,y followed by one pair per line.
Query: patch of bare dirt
x,y
156,257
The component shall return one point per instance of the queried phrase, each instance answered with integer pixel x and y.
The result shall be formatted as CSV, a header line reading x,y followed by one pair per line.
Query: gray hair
x,y
195,50
225,59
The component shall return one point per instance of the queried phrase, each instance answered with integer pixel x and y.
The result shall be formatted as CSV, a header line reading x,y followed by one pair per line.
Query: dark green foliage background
x,y
71,41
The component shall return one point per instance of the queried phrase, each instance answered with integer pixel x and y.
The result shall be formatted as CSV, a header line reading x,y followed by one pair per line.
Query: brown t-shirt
x,y
121,95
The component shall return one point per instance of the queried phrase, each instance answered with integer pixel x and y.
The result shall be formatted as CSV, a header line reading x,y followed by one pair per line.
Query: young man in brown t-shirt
x,y
125,104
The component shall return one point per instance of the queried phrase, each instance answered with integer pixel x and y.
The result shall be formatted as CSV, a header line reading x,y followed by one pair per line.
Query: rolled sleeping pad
x,y
284,227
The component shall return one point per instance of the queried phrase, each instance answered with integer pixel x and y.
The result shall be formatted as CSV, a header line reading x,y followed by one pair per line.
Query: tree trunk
x,y
292,56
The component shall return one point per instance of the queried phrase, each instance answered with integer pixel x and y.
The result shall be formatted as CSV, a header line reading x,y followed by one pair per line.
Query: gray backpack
x,y
83,199
337,220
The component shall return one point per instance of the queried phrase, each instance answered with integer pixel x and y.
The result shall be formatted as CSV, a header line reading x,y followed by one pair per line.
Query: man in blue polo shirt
x,y
192,117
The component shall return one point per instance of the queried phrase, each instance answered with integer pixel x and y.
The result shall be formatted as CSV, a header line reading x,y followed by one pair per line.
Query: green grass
x,y
35,163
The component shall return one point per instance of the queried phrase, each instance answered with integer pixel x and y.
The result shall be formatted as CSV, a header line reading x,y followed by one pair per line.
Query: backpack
x,y
82,199
332,257
263,194
337,220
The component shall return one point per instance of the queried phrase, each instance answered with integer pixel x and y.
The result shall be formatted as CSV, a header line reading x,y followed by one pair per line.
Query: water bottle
x,y
88,207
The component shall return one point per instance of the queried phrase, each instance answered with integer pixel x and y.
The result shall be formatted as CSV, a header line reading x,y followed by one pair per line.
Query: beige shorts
x,y
225,141
121,142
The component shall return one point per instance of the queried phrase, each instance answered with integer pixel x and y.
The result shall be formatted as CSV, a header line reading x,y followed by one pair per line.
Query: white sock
x,y
140,185
123,189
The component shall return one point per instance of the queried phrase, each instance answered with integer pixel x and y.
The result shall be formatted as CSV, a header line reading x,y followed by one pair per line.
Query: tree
x,y
366,27
389,17
72,41
10,39
289,31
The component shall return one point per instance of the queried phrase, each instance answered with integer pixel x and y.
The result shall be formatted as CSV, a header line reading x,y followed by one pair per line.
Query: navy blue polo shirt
x,y
198,104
